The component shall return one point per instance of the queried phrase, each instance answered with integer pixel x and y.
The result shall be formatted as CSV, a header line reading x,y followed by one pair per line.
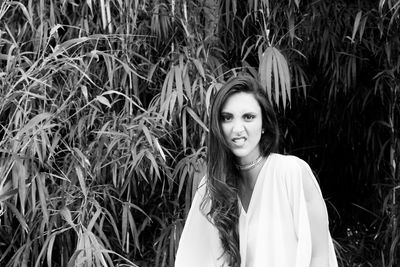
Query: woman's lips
x,y
239,141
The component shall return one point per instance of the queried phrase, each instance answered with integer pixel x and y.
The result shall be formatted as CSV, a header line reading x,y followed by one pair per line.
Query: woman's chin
x,y
240,155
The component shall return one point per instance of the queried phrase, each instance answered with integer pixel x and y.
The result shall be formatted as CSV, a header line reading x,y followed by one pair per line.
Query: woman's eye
x,y
226,118
249,117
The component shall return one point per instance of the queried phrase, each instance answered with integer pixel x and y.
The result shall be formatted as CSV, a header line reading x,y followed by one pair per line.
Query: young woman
x,y
255,207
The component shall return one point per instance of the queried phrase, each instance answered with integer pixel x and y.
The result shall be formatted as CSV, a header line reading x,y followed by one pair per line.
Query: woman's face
x,y
241,123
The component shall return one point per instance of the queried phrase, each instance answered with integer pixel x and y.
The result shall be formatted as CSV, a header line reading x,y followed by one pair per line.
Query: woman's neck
x,y
247,183
249,177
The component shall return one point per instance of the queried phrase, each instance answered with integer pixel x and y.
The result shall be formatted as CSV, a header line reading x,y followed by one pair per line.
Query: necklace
x,y
251,165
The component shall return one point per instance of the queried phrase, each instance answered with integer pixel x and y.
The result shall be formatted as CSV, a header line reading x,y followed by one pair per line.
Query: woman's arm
x,y
199,244
318,218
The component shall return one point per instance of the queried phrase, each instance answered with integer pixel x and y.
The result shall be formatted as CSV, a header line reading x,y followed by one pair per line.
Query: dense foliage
x,y
103,119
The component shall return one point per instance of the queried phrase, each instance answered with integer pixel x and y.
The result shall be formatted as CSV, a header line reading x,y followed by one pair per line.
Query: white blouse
x,y
275,231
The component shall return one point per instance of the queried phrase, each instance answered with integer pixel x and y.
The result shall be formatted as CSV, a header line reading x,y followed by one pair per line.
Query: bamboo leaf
x,y
68,44
182,179
83,159
151,71
66,214
179,85
356,25
87,251
120,256
90,5
172,101
157,146
184,130
281,78
164,89
199,67
72,261
265,70
34,123
50,246
134,230
85,92
153,163
124,221
248,51
147,134
186,83
362,27
103,100
99,229
40,181
98,251
111,219
284,77
276,78
55,29
18,215
81,180
196,118
291,27
20,175
36,149
26,253
94,219
211,89
6,194
171,248
24,11
170,81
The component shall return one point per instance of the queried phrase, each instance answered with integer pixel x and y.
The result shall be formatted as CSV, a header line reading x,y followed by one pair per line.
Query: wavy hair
x,y
222,175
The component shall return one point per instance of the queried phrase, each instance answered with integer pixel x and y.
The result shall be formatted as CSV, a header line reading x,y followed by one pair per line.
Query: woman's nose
x,y
237,127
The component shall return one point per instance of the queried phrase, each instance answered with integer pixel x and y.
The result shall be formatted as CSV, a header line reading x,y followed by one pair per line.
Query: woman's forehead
x,y
241,102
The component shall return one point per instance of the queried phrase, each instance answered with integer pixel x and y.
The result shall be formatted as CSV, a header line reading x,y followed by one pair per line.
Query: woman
x,y
255,207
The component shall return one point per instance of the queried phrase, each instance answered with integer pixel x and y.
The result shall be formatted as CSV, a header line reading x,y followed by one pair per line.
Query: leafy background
x,y
103,119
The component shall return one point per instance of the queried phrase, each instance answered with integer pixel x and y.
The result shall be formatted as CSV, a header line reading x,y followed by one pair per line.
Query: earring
x,y
262,132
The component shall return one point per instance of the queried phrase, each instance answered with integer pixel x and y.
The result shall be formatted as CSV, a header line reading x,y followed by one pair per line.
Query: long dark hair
x,y
222,175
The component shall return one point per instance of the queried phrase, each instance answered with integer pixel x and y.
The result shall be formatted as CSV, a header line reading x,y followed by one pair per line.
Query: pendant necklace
x,y
251,165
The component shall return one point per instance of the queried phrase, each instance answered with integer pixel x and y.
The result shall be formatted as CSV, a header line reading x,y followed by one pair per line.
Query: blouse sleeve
x,y
199,245
310,218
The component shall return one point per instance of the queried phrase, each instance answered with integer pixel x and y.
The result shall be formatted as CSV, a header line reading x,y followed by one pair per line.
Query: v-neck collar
x,y
255,189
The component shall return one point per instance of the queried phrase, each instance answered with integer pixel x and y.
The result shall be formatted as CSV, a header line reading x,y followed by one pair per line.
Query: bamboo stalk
x,y
103,14
108,17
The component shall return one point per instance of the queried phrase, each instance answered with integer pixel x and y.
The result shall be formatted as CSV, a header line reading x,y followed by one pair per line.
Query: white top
x,y
275,231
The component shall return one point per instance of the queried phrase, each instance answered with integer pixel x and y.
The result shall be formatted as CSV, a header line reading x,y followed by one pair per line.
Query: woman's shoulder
x,y
288,166
293,172
286,162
